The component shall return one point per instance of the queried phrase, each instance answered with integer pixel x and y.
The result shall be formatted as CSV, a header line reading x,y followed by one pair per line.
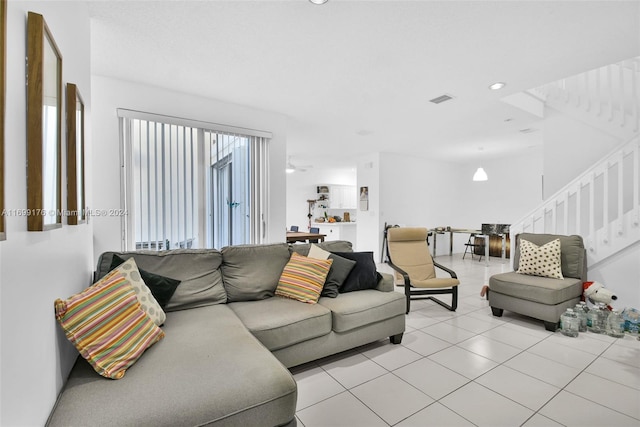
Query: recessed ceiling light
x,y
318,1
498,85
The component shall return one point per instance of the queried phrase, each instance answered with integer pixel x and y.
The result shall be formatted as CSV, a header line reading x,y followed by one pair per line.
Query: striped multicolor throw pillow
x,y
107,325
302,278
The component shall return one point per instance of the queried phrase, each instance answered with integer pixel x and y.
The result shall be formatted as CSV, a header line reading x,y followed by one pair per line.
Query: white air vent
x,y
528,130
440,99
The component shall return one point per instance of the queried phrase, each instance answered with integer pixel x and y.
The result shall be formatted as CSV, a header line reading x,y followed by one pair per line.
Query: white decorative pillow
x,y
129,270
540,260
317,252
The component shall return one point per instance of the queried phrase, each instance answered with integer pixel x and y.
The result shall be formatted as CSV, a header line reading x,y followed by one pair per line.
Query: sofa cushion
x,y
148,303
251,272
544,290
572,257
208,370
198,271
541,260
340,270
316,251
331,246
338,273
162,288
281,322
107,325
364,274
303,278
355,309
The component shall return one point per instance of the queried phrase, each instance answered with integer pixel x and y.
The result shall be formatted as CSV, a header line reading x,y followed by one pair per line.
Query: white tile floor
x,y
469,368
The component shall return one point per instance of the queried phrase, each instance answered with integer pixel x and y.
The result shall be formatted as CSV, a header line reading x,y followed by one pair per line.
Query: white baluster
x,y
598,72
610,90
623,114
635,94
620,207
592,228
636,181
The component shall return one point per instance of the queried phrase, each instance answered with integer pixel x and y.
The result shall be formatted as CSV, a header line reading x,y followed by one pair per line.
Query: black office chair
x,y
294,228
315,230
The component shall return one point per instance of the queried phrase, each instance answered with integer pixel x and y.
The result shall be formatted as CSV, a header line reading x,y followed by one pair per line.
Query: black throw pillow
x,y
340,269
162,288
364,274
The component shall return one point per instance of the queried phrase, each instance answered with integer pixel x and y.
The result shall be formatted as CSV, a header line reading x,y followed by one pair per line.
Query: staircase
x,y
603,204
607,98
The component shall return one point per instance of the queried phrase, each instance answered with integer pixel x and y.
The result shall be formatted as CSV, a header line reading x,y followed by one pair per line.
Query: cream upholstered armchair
x,y
409,256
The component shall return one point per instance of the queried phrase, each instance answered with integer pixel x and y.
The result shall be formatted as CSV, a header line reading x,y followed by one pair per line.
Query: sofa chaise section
x,y
185,380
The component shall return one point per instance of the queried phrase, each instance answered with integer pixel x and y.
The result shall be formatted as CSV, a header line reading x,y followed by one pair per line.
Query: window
x,y
188,184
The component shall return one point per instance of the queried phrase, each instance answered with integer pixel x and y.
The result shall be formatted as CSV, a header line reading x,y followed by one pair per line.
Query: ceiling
x,y
357,76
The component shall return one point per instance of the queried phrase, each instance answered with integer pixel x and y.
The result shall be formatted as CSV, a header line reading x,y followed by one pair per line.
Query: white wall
x,y
431,193
110,94
370,225
620,274
38,267
301,186
570,147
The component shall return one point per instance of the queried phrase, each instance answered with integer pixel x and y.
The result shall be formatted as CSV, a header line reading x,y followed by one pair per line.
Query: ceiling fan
x,y
291,168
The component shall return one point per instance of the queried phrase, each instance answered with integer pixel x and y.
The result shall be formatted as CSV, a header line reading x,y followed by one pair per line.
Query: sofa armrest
x,y
386,282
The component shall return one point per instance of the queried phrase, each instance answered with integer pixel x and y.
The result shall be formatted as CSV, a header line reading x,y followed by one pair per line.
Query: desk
x,y
478,233
443,230
300,236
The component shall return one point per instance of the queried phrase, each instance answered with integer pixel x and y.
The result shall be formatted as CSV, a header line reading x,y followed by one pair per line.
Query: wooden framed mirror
x,y
3,84
75,156
44,127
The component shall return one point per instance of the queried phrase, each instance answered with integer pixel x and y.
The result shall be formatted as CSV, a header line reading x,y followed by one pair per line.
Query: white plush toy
x,y
596,292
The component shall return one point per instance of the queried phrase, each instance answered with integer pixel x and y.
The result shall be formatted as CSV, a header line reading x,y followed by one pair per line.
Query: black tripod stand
x,y
384,241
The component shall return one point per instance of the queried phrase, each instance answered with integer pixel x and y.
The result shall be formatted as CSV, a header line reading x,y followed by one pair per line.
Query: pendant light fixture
x,y
480,174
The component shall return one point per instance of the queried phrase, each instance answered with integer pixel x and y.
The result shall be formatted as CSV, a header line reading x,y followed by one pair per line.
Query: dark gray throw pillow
x,y
364,274
340,269
162,288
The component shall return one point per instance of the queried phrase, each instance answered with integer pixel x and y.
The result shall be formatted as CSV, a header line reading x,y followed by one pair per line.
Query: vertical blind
x,y
168,206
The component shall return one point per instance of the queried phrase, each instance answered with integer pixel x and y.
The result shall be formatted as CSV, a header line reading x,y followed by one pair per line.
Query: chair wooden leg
x,y
497,312
551,326
408,303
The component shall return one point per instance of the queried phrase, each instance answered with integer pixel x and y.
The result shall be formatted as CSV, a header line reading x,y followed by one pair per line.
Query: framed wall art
x,y
44,127
364,198
75,156
3,84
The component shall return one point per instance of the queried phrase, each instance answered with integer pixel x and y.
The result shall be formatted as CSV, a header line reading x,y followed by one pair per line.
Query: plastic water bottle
x,y
631,318
593,322
603,317
569,323
582,316
615,324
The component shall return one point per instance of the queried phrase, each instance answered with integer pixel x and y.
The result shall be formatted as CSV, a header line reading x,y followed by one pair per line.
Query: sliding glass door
x,y
185,186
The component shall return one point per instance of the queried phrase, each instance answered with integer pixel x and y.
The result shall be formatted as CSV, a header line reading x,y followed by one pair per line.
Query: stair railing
x,y
602,205
609,94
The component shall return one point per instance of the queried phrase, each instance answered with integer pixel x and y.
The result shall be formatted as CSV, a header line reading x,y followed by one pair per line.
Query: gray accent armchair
x,y
542,298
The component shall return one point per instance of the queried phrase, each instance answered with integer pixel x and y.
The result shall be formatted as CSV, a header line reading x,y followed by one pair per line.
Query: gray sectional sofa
x,y
228,342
